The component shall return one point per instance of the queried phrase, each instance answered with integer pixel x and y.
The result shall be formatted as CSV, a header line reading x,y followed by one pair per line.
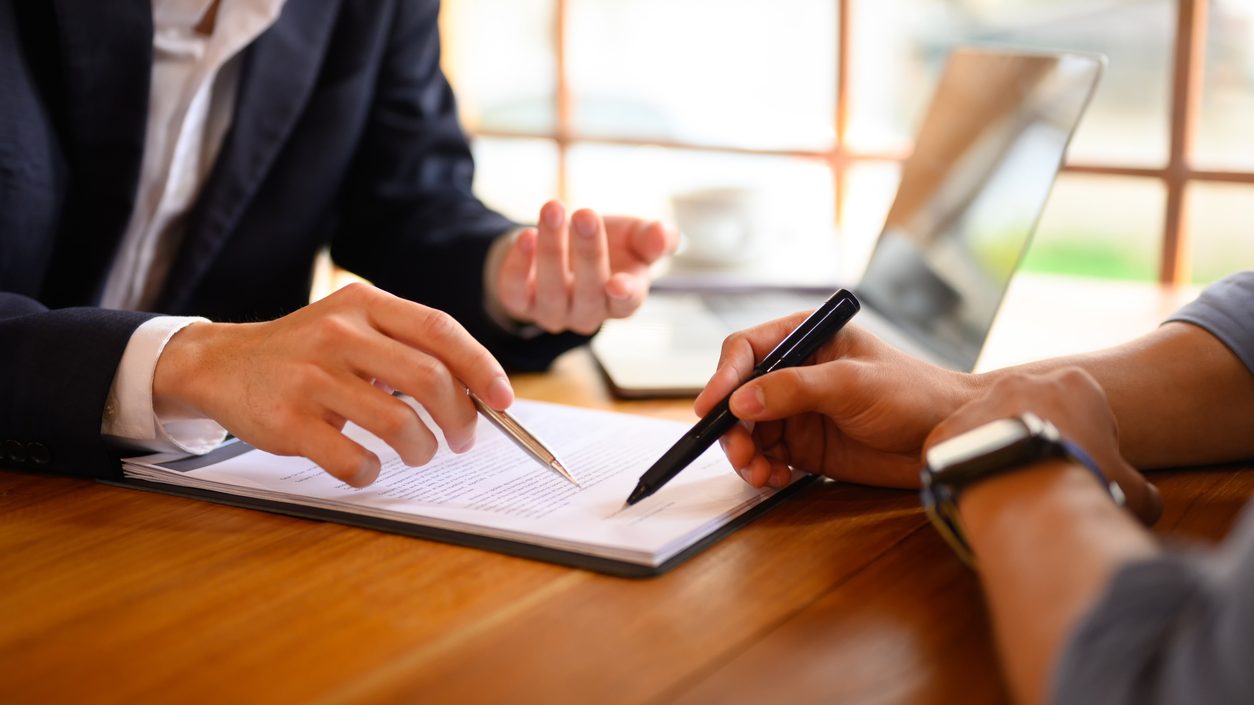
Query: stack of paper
x,y
495,496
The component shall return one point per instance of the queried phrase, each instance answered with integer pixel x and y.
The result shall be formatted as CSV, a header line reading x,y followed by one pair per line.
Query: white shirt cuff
x,y
129,418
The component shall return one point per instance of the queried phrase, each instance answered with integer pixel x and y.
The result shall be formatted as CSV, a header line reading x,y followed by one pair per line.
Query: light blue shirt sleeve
x,y
1179,627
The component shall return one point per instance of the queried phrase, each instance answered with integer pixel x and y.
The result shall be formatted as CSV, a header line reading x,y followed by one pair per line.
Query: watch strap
x,y
940,498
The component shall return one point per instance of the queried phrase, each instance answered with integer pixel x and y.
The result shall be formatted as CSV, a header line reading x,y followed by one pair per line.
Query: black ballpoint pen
x,y
816,329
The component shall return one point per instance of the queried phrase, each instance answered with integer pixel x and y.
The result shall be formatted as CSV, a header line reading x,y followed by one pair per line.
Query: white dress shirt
x,y
190,107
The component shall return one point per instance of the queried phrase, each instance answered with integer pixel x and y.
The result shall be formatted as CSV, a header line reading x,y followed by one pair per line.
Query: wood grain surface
x,y
842,594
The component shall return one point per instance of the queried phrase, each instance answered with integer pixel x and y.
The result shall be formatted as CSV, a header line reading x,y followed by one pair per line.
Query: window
x,y
621,105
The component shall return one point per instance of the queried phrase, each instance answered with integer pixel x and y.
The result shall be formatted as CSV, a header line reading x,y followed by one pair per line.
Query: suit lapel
x,y
280,70
106,55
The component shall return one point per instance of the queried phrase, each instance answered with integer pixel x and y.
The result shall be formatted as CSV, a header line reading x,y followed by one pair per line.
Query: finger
x,y
432,384
387,417
551,281
342,458
753,344
758,472
1153,508
781,474
590,265
830,388
431,331
429,381
1141,496
722,383
626,293
661,240
647,242
516,278
739,354
739,447
769,435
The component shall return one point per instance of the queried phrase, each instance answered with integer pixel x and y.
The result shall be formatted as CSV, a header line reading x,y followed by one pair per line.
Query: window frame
x,y
1175,176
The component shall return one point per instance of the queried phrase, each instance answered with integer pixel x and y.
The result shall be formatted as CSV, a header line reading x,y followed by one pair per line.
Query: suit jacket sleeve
x,y
56,367
410,223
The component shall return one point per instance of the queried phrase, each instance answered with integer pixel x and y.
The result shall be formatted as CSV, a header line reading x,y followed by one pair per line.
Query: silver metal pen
x,y
522,437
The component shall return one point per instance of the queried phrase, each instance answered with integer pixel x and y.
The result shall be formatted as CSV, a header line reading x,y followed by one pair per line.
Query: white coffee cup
x,y
720,226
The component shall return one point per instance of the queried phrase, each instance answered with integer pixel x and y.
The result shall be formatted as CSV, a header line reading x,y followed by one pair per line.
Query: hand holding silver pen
x,y
523,438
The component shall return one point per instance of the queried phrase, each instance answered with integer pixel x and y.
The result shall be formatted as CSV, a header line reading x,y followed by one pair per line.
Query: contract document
x,y
496,496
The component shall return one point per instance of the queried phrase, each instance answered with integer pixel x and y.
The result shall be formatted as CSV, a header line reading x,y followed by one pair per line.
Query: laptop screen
x,y
971,193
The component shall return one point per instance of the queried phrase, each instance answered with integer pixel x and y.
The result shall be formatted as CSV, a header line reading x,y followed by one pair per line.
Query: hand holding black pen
x,y
818,328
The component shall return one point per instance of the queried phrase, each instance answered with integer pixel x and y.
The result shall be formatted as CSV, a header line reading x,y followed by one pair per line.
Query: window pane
x,y
1101,227
898,48
869,191
515,177
795,234
1221,230
498,55
1224,138
747,74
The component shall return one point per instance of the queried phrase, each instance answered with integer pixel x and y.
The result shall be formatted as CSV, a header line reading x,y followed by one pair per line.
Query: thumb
x,y
828,388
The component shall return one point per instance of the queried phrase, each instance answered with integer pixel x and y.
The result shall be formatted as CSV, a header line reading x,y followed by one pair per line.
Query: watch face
x,y
980,442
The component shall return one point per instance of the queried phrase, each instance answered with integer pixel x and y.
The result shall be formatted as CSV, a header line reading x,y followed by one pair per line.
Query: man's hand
x,y
859,413
289,386
1070,399
574,274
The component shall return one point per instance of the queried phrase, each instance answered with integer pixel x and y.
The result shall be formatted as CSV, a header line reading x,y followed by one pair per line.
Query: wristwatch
x,y
990,450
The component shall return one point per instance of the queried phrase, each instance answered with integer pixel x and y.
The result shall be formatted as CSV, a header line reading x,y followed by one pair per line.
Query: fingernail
x,y
552,215
585,225
751,401
618,289
501,392
463,445
366,474
722,443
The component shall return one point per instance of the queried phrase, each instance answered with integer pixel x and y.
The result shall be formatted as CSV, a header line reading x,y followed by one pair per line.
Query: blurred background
x,y
620,106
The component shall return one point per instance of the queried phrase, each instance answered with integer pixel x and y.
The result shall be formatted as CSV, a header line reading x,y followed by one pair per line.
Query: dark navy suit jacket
x,y
345,134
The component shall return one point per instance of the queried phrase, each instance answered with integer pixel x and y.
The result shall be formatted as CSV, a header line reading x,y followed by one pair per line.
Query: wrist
x,y
962,388
1017,497
492,266
975,385
180,371
994,451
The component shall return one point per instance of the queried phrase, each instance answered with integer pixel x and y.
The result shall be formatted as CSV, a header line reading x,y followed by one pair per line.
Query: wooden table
x,y
843,594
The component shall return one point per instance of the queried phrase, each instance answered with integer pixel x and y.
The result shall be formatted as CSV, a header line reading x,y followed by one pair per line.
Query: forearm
x,y
1180,396
1047,540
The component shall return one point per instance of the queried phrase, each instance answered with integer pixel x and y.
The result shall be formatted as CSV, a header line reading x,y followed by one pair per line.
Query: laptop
x,y
971,192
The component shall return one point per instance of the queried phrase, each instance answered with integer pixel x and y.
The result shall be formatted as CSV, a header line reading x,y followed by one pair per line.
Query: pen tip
x,y
561,470
637,494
